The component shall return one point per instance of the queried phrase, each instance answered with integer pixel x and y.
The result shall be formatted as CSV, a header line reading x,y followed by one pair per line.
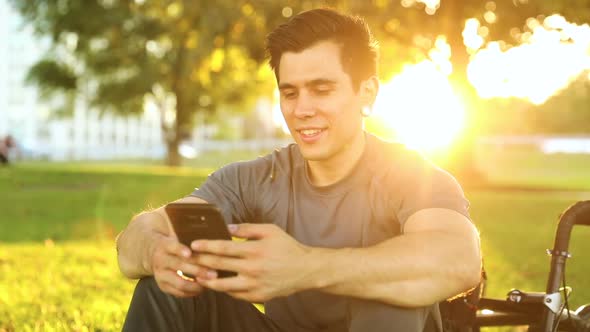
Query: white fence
x,y
88,136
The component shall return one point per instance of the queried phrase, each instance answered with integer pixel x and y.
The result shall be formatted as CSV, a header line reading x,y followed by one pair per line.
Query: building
x,y
86,135
20,112
89,134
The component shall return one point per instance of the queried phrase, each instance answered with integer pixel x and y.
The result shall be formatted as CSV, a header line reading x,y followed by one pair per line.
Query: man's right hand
x,y
169,256
148,246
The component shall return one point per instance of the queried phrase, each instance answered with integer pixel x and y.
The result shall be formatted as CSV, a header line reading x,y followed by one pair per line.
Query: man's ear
x,y
368,90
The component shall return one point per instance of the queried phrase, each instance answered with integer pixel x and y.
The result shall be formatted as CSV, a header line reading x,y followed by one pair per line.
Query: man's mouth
x,y
310,132
311,135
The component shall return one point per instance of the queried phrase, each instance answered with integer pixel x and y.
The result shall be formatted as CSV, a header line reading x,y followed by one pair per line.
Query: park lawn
x,y
57,259
526,167
72,201
64,286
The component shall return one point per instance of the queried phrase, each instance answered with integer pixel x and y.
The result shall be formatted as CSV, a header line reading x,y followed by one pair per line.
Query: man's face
x,y
318,102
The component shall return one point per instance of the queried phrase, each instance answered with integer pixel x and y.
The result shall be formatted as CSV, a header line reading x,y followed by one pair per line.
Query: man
x,y
347,232
6,144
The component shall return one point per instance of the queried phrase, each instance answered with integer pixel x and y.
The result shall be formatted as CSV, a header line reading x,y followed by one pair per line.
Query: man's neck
x,y
326,172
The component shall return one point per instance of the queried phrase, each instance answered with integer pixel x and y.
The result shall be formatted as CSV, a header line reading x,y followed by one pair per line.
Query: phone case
x,y
192,221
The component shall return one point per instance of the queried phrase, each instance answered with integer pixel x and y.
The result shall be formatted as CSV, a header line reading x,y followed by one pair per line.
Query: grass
x,y
65,202
526,167
57,261
70,286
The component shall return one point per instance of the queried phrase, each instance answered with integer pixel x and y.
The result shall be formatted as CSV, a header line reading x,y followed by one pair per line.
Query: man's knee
x,y
147,284
153,310
376,316
148,293
147,290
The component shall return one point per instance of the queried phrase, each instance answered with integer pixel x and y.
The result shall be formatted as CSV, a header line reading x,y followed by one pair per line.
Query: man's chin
x,y
312,154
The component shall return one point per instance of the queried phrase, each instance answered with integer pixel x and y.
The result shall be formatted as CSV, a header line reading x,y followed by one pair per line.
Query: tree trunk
x,y
462,161
170,137
173,157
175,133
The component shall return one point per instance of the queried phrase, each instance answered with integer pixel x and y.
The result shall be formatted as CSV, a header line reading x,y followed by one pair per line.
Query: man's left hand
x,y
269,265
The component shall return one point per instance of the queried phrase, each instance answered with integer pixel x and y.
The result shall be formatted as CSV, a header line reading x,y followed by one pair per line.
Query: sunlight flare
x,y
551,55
420,106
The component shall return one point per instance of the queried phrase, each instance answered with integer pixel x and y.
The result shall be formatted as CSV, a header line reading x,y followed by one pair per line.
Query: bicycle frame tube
x,y
508,313
577,214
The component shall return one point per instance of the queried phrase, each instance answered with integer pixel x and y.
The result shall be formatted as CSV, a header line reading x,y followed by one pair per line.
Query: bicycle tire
x,y
581,323
584,314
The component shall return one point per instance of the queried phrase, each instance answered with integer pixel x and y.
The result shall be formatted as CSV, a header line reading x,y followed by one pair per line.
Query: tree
x,y
186,56
407,23
191,56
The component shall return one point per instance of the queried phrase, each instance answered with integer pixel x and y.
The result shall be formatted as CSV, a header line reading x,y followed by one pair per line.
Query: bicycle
x,y
541,311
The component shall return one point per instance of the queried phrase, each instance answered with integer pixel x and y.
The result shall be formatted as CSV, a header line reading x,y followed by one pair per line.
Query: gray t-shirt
x,y
388,185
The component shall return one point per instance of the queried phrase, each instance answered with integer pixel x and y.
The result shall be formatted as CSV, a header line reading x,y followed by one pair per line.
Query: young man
x,y
6,144
347,232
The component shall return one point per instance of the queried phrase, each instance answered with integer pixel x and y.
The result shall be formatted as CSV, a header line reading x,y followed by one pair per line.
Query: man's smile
x,y
310,135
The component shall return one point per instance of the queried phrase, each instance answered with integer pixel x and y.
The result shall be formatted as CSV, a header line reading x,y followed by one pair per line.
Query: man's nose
x,y
304,108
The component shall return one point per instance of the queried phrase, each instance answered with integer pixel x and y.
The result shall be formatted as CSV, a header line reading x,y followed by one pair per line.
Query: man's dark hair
x,y
359,52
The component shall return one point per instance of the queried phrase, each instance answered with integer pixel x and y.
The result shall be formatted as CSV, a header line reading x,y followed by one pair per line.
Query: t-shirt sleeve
x,y
425,186
231,190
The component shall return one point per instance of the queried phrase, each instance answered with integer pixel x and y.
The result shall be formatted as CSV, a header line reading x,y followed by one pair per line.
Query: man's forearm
x,y
411,271
135,243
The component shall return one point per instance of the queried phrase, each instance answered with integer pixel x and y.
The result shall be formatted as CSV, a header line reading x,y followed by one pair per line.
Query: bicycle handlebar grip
x,y
577,214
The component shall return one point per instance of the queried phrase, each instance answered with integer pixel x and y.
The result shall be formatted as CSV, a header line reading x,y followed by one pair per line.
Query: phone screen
x,y
193,221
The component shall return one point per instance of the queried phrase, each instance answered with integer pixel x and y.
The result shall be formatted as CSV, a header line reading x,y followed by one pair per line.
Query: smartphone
x,y
193,221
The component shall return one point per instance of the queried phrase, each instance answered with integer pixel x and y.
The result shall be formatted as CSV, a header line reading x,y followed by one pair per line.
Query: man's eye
x,y
289,95
323,92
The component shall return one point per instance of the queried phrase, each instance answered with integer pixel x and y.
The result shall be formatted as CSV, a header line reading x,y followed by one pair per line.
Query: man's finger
x,y
216,262
251,231
172,279
224,247
177,248
188,269
230,284
173,290
195,270
169,262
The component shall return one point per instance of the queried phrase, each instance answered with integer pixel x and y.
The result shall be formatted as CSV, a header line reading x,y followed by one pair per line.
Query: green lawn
x,y
57,260
526,167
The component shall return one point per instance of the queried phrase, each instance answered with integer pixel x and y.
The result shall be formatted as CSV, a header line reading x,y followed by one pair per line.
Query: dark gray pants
x,y
153,310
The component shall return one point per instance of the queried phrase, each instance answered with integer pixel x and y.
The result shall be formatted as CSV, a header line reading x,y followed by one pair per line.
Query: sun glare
x,y
551,55
419,104
420,107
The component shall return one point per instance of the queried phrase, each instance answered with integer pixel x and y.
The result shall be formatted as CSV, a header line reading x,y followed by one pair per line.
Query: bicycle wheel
x,y
584,313
579,322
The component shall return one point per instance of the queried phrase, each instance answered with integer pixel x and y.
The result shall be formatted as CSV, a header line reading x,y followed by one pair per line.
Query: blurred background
x,y
115,106
167,80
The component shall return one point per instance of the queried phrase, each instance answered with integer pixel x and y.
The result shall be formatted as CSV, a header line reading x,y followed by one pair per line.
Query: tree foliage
x,y
188,56
194,55
410,29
